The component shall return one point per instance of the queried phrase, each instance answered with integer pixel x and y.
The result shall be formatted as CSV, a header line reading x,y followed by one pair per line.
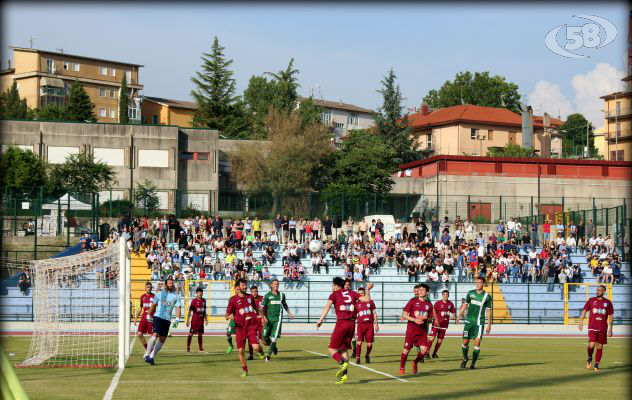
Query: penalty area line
x,y
115,380
362,366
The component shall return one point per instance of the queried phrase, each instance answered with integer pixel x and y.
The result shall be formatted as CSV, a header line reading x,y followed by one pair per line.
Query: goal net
x,y
81,310
216,294
576,295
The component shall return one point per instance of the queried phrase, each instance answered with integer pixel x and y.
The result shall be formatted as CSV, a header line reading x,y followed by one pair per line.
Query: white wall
x,y
5,147
153,158
57,154
113,157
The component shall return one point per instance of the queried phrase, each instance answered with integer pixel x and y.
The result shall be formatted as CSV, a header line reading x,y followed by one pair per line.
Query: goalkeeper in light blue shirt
x,y
163,304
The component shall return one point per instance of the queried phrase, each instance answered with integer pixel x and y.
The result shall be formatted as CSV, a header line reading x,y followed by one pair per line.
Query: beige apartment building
x,y
618,123
44,77
473,130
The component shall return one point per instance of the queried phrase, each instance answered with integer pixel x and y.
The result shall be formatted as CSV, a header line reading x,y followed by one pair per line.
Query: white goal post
x,y
81,310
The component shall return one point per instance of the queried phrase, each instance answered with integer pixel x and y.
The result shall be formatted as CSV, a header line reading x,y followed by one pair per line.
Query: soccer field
x,y
517,368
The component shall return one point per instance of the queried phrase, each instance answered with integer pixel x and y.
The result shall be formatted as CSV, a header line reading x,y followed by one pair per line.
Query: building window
x,y
52,95
429,140
50,66
112,113
132,113
75,67
325,116
102,92
618,108
352,121
473,133
128,76
490,134
616,155
103,70
66,65
618,129
112,71
339,125
203,156
194,156
112,93
102,113
154,120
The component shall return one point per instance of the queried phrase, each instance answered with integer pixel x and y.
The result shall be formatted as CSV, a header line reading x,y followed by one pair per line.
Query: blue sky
x,y
344,48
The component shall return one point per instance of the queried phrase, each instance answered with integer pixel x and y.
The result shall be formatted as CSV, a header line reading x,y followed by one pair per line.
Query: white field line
x,y
115,381
362,366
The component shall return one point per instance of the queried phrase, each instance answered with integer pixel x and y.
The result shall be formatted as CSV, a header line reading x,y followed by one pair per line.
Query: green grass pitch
x,y
517,368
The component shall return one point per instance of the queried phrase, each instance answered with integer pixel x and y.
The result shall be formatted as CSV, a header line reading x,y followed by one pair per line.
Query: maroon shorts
x,y
249,333
342,335
598,337
415,338
197,326
145,326
366,333
438,332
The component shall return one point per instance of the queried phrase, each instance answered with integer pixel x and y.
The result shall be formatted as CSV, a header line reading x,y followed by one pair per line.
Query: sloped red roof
x,y
474,114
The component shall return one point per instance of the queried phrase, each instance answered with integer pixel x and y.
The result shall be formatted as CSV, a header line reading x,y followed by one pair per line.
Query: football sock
x,y
189,341
145,346
598,357
337,357
475,353
200,341
230,340
150,345
271,349
437,345
420,357
354,343
156,349
465,350
244,367
358,350
250,349
590,352
402,361
368,349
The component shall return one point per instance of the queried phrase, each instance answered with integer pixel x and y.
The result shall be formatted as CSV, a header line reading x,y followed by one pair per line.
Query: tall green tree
x,y
286,88
309,111
146,195
14,107
124,102
479,88
81,173
215,93
574,136
22,171
79,107
390,122
258,98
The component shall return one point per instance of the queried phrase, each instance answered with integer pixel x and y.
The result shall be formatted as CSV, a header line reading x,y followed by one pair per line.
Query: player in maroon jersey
x,y
344,305
243,310
600,317
443,310
254,292
367,326
198,320
417,312
145,322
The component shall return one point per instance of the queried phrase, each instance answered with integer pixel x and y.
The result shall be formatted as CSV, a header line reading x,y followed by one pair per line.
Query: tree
x,y
479,89
81,173
574,133
288,161
79,107
511,151
364,164
258,98
215,93
391,124
50,112
124,102
22,171
14,107
286,88
146,195
310,112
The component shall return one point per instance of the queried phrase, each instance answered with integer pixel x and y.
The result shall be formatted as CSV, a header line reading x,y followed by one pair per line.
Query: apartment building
x,y
161,111
342,117
473,130
44,77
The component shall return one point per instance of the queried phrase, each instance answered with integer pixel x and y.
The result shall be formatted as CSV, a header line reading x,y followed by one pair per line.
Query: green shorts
x,y
231,327
472,331
272,330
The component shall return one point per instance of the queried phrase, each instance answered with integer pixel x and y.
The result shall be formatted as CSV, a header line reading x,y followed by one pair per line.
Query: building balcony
x,y
622,134
621,113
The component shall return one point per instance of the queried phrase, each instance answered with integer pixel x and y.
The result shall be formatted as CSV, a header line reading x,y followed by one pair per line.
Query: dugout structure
x,y
576,295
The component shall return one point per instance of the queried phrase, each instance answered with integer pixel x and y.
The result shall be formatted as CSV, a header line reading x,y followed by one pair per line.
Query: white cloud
x,y
588,88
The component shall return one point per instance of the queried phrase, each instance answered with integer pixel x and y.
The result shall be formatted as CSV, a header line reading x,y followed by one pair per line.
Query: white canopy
x,y
62,204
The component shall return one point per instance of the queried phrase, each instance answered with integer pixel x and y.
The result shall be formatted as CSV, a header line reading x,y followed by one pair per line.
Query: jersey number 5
x,y
346,296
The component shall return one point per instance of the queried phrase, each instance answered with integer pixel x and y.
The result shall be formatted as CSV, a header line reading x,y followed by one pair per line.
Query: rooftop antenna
x,y
31,41
61,50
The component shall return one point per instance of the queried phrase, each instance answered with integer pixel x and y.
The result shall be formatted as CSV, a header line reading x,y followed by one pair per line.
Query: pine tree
x,y
215,93
79,107
124,102
391,123
13,107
